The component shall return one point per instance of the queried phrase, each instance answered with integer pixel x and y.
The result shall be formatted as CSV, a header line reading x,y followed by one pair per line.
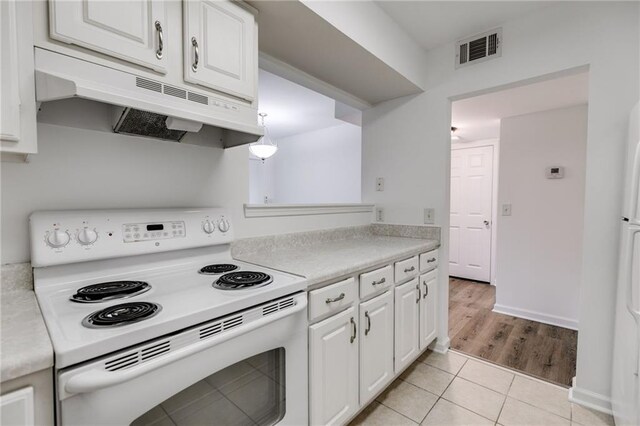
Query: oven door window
x,y
250,392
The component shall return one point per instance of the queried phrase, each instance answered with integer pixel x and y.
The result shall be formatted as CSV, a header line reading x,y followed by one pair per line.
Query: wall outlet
x,y
380,184
379,214
429,216
506,209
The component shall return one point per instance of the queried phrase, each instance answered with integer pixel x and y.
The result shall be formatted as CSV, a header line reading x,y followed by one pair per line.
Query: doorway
x,y
518,162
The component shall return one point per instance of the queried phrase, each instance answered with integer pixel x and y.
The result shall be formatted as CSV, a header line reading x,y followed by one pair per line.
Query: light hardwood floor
x,y
541,350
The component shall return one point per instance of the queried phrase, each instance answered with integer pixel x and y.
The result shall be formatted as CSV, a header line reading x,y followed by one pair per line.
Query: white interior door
x,y
471,208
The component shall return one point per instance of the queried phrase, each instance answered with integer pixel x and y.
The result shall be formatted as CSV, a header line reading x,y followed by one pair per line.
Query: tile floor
x,y
454,389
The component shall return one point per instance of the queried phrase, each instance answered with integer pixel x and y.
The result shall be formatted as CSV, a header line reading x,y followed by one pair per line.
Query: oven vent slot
x,y
269,309
154,351
210,330
122,362
232,322
277,306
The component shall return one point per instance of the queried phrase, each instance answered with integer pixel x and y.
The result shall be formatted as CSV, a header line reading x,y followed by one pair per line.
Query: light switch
x,y
380,184
506,209
429,216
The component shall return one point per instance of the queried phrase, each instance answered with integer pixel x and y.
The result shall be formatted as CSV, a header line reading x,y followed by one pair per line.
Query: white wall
x,y
78,168
407,141
539,247
321,166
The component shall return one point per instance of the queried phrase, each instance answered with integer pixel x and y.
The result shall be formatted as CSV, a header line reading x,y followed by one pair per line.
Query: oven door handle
x,y
98,378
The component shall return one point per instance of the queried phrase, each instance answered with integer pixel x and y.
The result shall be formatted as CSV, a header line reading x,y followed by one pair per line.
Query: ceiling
x,y
434,23
291,108
479,117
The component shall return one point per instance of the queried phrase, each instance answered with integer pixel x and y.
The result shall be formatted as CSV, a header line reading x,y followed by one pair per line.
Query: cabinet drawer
x,y
428,260
374,281
406,269
331,298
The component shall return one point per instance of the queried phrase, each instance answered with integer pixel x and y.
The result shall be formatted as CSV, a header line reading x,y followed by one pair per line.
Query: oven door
x,y
246,368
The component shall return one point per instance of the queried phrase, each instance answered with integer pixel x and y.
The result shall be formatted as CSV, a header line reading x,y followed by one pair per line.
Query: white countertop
x,y
326,260
25,346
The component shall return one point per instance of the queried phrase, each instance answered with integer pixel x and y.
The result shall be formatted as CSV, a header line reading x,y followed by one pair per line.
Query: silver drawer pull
x,y
354,330
380,281
196,57
433,259
368,329
413,268
160,40
335,299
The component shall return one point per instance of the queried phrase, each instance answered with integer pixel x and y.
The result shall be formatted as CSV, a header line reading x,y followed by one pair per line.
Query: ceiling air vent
x,y
479,48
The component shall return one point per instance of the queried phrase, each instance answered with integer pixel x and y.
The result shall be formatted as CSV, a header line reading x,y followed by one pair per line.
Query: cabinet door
x,y
428,308
333,369
220,47
406,323
133,30
16,408
376,345
9,78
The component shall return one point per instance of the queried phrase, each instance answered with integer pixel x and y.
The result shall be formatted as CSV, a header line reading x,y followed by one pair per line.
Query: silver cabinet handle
x,y
433,259
380,281
413,268
196,57
354,331
368,329
160,40
426,290
418,288
335,299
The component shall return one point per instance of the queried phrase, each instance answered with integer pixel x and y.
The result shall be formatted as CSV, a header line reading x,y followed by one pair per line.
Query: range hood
x,y
146,107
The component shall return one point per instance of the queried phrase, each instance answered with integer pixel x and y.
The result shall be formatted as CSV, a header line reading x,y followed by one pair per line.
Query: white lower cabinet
x,y
333,369
17,407
376,345
428,308
407,305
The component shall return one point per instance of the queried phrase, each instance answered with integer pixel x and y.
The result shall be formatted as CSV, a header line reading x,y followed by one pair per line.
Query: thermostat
x,y
555,172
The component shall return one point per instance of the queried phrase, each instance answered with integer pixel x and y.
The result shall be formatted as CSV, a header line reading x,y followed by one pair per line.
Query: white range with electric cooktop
x,y
152,321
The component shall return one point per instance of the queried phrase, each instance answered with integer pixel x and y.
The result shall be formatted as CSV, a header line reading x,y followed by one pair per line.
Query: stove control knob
x,y
208,226
87,236
58,238
223,225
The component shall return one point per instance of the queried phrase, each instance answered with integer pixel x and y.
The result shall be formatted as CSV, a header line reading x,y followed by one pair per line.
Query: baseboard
x,y
589,399
536,316
441,347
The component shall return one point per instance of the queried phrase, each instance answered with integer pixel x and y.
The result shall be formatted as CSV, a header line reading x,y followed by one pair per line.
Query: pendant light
x,y
264,147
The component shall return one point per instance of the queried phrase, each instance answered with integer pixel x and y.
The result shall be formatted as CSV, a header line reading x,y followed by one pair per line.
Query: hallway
x,y
544,351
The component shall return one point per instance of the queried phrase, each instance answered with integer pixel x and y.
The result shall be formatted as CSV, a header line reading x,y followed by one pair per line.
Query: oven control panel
x,y
59,237
133,232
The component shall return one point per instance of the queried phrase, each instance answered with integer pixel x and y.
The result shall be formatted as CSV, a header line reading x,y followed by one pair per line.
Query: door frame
x,y
495,144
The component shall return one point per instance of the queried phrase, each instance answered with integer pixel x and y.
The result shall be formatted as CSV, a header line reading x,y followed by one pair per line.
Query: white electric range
x,y
152,299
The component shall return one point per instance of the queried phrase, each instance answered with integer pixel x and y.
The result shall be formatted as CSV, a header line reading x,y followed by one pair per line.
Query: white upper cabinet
x,y
406,323
9,88
134,30
376,345
17,90
428,308
220,47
